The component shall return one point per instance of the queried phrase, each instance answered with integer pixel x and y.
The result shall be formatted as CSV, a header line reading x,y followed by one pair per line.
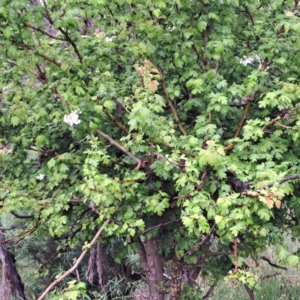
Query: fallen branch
x,y
79,259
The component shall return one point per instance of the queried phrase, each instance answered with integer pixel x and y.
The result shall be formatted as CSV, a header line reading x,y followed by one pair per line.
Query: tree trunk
x,y
153,266
11,285
175,289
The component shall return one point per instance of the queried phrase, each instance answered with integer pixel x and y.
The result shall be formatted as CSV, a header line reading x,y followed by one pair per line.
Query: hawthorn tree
x,y
171,126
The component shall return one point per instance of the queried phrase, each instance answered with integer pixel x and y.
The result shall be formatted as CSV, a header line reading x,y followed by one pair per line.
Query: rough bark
x,y
176,280
153,266
11,285
96,259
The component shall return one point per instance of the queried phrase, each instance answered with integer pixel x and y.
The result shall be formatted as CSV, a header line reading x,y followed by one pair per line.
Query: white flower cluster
x,y
249,60
73,118
109,39
40,177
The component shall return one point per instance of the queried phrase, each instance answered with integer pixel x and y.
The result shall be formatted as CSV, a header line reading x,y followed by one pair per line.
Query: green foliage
x,y
182,113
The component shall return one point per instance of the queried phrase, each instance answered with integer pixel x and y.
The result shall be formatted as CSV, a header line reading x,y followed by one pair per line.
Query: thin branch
x,y
119,124
52,60
173,110
22,217
269,276
59,97
250,15
113,142
284,126
45,32
200,57
23,234
80,258
4,170
235,254
204,240
293,177
209,292
272,264
65,33
159,225
168,160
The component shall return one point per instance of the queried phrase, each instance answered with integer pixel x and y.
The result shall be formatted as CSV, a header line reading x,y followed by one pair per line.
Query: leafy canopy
x,y
182,111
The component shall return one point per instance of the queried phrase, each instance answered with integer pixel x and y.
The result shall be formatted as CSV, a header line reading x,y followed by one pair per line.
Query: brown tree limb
x,y
119,124
235,254
44,32
52,60
250,292
65,33
80,258
272,264
113,142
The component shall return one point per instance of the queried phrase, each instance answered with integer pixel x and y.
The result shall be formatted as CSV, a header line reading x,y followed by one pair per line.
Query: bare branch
x,y
79,259
272,264
159,225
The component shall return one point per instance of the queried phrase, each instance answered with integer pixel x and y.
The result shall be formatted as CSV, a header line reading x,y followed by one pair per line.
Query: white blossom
x,y
109,39
40,177
73,118
250,59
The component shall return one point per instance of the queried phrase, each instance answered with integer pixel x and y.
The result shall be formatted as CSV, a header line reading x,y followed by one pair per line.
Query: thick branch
x,y
113,142
79,259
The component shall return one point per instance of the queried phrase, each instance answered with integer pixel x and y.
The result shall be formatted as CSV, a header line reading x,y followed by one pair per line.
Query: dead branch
x,y
80,258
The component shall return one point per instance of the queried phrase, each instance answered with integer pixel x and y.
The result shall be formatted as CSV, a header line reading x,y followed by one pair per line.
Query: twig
x,y
80,258
272,264
113,142
269,276
168,160
284,126
159,225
